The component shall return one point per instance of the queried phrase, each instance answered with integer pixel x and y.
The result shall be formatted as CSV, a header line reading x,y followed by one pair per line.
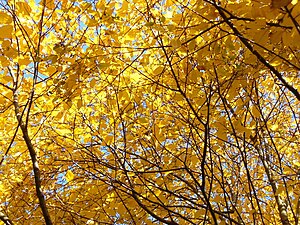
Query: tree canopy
x,y
150,112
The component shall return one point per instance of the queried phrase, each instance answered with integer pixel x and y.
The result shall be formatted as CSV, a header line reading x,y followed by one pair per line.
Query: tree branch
x,y
5,219
33,156
244,40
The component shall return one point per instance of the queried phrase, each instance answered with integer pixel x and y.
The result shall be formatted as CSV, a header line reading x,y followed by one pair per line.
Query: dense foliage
x,y
149,112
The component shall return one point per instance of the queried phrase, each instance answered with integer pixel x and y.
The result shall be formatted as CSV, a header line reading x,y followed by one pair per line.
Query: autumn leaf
x,y
23,8
5,18
280,3
6,31
69,176
149,112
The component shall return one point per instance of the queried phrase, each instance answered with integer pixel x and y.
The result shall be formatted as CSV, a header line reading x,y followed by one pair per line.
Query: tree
x,y
149,112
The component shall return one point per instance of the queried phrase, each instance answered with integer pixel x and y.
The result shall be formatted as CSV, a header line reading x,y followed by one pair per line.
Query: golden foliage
x,y
149,112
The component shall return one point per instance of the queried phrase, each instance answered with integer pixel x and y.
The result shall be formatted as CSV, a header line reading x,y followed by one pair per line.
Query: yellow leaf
x,y
222,134
69,176
149,24
64,132
158,70
131,174
8,78
4,61
280,3
93,83
59,48
49,4
67,105
79,103
275,36
192,45
5,18
88,214
274,127
255,112
6,31
296,162
167,173
200,213
218,198
108,140
142,121
50,70
280,190
110,197
73,196
23,8
6,44
276,63
175,43
23,61
103,65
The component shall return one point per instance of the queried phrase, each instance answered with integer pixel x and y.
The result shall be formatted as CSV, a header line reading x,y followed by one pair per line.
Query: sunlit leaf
x,y
6,31
69,176
5,18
